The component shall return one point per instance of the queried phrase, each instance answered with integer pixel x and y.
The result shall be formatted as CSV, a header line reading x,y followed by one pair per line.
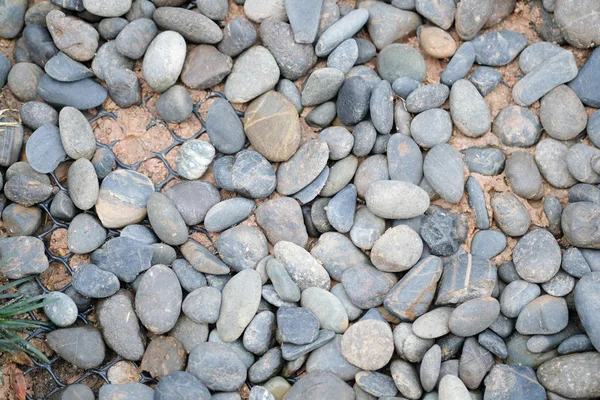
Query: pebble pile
x,y
339,241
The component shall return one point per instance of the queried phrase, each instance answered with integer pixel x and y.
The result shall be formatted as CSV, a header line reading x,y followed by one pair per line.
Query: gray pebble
x,y
21,221
202,305
63,68
523,175
163,254
372,169
484,160
459,65
337,254
575,344
109,28
282,221
341,209
586,299
367,286
488,243
223,172
39,43
193,26
26,191
466,277
62,311
510,214
204,67
322,115
562,114
353,101
470,113
340,31
551,159
239,303
537,256
321,86
314,188
259,334
228,213
584,85
140,9
498,48
133,41
493,343
578,223
404,86
253,175
76,134
82,346
62,207
193,199
431,127
535,54
34,114
175,105
189,278
22,80
579,159
202,259
164,59
584,192
560,285
238,35
91,281
291,92
85,234
443,168
440,12
477,203
399,60
123,86
367,228
382,107
475,362
474,316
208,358
388,24
426,97
242,247
304,166
485,79
108,57
433,324
167,222
543,316
304,18
82,95
344,56
76,38
516,296
158,299
396,199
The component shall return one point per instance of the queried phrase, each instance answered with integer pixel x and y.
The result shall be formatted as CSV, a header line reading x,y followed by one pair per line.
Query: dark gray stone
x,y
388,24
189,333
551,159
291,92
555,71
175,105
123,86
400,60
202,305
34,114
440,12
584,85
107,57
366,51
537,256
337,254
579,162
82,346
510,214
167,222
139,233
367,286
493,343
580,370
12,15
405,161
260,333
523,175
535,54
475,362
133,391
322,115
330,359
109,28
485,79
266,367
224,127
81,95
282,221
404,86
303,167
204,67
39,43
439,232
315,188
543,316
574,263
193,26
376,384
586,299
85,234
488,243
578,223
63,68
553,211
189,278
193,199
426,97
181,385
353,101
484,160
575,344
584,192
228,213
459,65
516,296
253,176
242,247
124,257
304,19
578,22
477,203
291,352
464,278
26,191
498,48
474,316
344,56
217,366
23,79
382,107
238,35
163,254
509,382
158,299
341,209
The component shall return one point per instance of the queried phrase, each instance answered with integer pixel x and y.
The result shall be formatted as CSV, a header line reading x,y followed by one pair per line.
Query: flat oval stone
x,y
560,285
26,191
339,141
217,366
320,385
388,24
341,30
516,296
404,86
337,254
586,297
82,346
303,167
376,384
189,278
535,54
475,362
294,59
158,299
165,219
344,56
85,234
537,256
135,391
341,208
39,44
322,85
368,344
227,213
573,376
109,28
398,60
578,21
76,134
405,161
443,168
224,127
62,311
556,70
510,214
474,316
258,64
367,228
239,303
583,84
202,259
498,48
335,179
329,358
44,149
193,26
259,334
133,41
21,221
301,265
242,247
122,198
163,60
436,42
253,175
431,127
282,221
193,199
426,97
470,113
76,38
205,67
440,12
477,203
551,159
406,378
553,211
63,68
384,256
182,385
297,325
124,257
62,94
579,159
258,11
271,123
562,114
484,160
353,101
189,333
543,316
327,308
83,184
175,105
459,65
202,305
34,114
523,175
238,35
412,295
396,199
366,286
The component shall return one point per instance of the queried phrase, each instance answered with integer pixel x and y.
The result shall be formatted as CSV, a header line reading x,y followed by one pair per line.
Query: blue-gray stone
x,y
439,232
493,343
344,56
181,385
405,161
91,281
579,159
61,309
291,352
579,223
562,114
158,299
372,169
440,12
44,149
322,85
510,382
466,277
39,43
238,35
575,344
266,367
322,115
545,315
82,346
12,14
477,203
282,220
175,105
242,247
516,296
559,285
584,85
459,65
382,107
535,54
364,138
537,256
207,359
431,127
83,94
124,257
584,192
340,174
313,189
193,199
574,263
404,86
485,79
189,278
523,175
366,51
202,305
343,29
85,234
517,126
398,60
34,114
470,113
556,70
551,159
63,68
297,325
341,209
223,172
228,213
586,301
443,168
488,243
484,160
498,48
253,175
427,97
304,18
353,101
388,24
291,92
578,21
109,28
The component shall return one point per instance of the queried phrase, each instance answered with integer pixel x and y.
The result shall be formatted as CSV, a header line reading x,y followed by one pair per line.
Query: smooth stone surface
x,y
224,127
303,167
62,311
193,26
329,358
163,60
258,64
22,256
440,12
510,214
76,135
227,213
304,19
535,54
474,316
543,316
238,35
85,234
475,362
301,265
383,254
433,324
62,94
21,221
158,299
253,176
320,385
583,84
341,30
484,160
404,159
240,300
485,79
396,199
76,38
204,67
257,11
259,334
63,68
553,211
406,378
193,200
26,191
242,247
202,259
368,344
321,86
388,24
579,162
477,203
551,159
175,105
133,41
426,97
183,385
537,256
443,168
510,381
293,352
189,278
194,158
572,376
44,149
297,325
34,114
436,42
488,243
562,114
431,127
469,111
217,367
586,297
282,221
399,60
83,184
202,305
516,296
337,254
578,22
498,48
367,228
459,65
82,346
523,175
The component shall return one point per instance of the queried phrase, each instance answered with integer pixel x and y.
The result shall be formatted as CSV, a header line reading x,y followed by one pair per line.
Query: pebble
x,y
163,356
134,390
553,72
498,48
493,343
76,38
485,79
553,211
34,114
82,346
61,94
238,35
214,10
584,192
353,101
396,199
228,213
475,362
158,299
376,384
385,259
292,352
203,194
182,385
440,12
297,325
194,158
433,324
431,127
330,181
517,126
583,85
382,107
166,220
202,305
430,368
510,214
404,159
403,87
487,161
224,127
408,345
164,60
586,296
23,80
107,8
443,169
301,265
327,308
460,64
321,86
368,344
470,113
556,374
258,11
189,333
122,198
11,18
303,167
321,385
77,136
63,68
543,316
260,333
388,24
78,391
578,223
123,86
406,378
562,114
321,116
353,311
578,22
367,228
488,243
109,28
400,60
257,63
304,19
579,160
202,259
193,26
474,316
523,175
175,105
537,256
39,44
21,221
436,42
477,203
291,92
551,159
341,30
253,175
329,358
133,41
439,231
282,221
22,256
26,191
85,234
341,209
466,277
207,359
337,254
236,310
204,67
189,278
535,54
108,58
575,344
242,247
426,97
516,296
574,263
62,311
44,149
83,184
560,285
366,51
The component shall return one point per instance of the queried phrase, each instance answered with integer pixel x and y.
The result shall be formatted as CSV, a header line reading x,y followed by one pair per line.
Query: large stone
x,y
303,167
586,302
272,125
545,315
584,85
112,8
343,29
182,385
63,68
396,199
166,220
124,257
22,256
224,127
464,278
12,15
443,168
572,376
385,256
82,95
44,149
474,316
400,60
282,221
192,25
320,385
578,22
158,299
77,39
537,256
217,367
470,113
302,266
76,135
498,48
509,382
510,214
238,35
366,286
388,24
304,19
254,72
164,60
82,346
193,199
240,301
368,344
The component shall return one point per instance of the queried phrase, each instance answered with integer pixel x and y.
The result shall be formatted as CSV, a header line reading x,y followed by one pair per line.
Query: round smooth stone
x,y
517,126
487,161
44,149
193,158
551,159
67,344
460,64
341,209
398,60
470,113
239,303
26,191
193,199
368,344
85,234
175,105
436,42
203,305
431,127
384,255
258,64
282,220
22,256
426,97
516,295
327,308
182,385
224,127
303,167
474,316
297,325
352,103
404,86
163,60
443,169
76,38
158,299
62,311
82,95
194,26
523,175
560,285
91,281
545,315
321,385
83,184
238,35
253,175
21,221
367,228
396,199
242,247
537,256
579,162
206,358
76,134
510,214
167,222
205,67
34,114
405,161
133,41
488,243
322,115
562,114
228,213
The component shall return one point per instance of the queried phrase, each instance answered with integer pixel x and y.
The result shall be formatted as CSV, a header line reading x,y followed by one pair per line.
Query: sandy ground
x,y
134,142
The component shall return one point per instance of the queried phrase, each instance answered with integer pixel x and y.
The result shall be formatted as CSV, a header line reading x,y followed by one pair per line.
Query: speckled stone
x,y
239,303
22,256
193,199
158,299
466,277
537,256
368,344
82,346
302,266
510,214
194,158
202,259
62,311
498,48
208,358
459,65
484,160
